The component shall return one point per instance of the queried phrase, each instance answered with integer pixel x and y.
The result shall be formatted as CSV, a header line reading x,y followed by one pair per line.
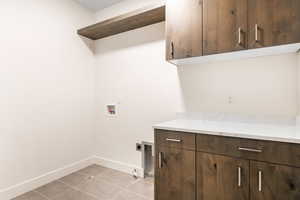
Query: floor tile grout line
x,y
101,174
104,170
140,195
90,194
86,174
42,195
119,187
137,193
77,189
128,190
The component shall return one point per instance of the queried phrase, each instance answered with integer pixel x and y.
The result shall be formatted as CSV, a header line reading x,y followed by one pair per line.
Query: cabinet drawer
x,y
175,139
268,151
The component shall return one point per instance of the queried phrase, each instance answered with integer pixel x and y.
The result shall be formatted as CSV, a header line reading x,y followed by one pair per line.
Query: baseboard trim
x,y
29,185
120,166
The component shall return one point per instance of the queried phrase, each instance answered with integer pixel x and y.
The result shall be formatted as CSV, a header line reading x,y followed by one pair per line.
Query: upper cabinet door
x,y
273,22
183,29
224,26
274,182
222,178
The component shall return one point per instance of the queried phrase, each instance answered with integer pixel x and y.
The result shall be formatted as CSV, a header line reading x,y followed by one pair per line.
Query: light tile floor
x,y
94,183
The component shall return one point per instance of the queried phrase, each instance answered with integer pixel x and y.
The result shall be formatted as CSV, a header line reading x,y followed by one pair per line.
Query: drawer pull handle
x,y
250,150
160,164
259,181
239,176
173,140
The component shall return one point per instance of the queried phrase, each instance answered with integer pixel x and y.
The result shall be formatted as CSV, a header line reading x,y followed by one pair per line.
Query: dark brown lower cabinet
x,y
207,167
274,182
222,178
175,174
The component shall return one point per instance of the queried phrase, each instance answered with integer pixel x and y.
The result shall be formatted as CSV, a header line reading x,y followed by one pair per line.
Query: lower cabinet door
x,y
222,178
175,174
274,182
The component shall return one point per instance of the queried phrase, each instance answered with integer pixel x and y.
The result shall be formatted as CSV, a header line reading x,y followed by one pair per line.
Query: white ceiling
x,y
97,4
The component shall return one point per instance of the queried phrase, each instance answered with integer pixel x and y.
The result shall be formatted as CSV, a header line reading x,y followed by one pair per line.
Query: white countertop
x,y
261,131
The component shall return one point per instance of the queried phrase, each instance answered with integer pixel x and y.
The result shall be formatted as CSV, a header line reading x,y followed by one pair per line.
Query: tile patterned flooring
x,y
94,183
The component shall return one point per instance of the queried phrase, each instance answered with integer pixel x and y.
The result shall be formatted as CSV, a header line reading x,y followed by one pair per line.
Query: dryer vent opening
x,y
148,159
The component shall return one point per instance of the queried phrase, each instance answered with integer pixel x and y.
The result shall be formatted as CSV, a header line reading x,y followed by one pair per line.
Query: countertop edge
x,y
227,134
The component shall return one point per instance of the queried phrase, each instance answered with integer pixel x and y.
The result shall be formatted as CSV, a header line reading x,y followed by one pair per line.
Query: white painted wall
x,y
259,86
131,70
46,84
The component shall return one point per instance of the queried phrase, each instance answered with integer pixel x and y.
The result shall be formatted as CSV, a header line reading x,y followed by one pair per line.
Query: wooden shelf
x,y
126,22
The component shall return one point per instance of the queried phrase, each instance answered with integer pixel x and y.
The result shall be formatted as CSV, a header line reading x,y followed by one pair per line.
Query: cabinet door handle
x,y
173,140
250,150
239,176
172,50
240,37
256,33
259,181
160,164
257,29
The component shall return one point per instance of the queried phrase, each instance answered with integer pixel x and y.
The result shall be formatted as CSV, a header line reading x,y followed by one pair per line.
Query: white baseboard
x,y
120,166
32,184
29,185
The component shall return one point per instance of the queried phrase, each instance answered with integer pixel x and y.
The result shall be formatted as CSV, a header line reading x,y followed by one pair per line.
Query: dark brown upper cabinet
x,y
221,177
274,182
183,29
224,26
196,28
273,22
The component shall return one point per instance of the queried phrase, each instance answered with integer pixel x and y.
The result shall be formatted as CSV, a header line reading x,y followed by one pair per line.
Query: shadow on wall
x,y
148,34
90,44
